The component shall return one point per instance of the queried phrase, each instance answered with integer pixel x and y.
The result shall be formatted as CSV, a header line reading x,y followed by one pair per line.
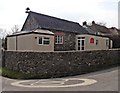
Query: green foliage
x,y
14,74
116,40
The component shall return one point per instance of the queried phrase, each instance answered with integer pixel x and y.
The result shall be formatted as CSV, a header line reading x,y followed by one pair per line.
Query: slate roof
x,y
53,23
99,28
89,30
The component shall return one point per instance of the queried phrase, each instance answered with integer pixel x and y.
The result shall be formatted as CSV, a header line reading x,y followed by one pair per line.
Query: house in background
x,y
101,30
97,29
63,35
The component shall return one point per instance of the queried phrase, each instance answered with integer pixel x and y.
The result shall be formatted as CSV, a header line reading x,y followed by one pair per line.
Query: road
x,y
106,80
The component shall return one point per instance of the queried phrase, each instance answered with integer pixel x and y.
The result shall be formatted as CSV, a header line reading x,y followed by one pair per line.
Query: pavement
x,y
106,80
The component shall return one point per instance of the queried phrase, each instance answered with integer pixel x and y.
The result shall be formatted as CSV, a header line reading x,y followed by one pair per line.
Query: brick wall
x,y
57,64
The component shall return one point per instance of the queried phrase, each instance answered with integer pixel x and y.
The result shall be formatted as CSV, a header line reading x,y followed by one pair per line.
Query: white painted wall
x,y
92,46
29,42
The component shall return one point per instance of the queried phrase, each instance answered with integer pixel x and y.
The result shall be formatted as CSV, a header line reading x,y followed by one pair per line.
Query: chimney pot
x,y
84,23
93,22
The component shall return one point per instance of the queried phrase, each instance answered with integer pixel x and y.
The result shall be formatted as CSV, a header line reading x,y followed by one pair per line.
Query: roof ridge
x,y
54,17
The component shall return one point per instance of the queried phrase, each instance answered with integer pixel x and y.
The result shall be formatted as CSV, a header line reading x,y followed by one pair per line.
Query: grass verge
x,y
13,74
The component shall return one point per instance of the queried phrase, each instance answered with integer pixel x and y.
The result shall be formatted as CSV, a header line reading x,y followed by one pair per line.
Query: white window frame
x,y
43,39
57,39
97,42
80,39
107,42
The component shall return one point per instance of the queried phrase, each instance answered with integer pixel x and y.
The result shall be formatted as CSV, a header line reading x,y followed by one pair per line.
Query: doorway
x,y
81,43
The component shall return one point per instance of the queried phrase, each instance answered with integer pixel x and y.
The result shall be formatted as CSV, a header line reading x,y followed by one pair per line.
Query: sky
x,y
12,12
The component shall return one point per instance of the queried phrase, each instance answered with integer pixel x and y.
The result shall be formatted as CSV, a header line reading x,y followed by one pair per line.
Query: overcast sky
x,y
12,12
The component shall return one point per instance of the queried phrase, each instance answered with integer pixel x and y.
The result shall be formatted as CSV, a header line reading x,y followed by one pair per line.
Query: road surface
x,y
106,80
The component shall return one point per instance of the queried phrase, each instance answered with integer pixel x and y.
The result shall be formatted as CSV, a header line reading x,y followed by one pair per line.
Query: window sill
x,y
43,45
58,43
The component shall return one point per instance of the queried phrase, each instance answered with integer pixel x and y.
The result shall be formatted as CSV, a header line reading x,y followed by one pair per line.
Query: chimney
x,y
84,23
27,10
113,28
93,22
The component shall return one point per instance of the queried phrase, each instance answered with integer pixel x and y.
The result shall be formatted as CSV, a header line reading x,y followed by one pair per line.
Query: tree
x,y
15,29
3,33
4,43
101,23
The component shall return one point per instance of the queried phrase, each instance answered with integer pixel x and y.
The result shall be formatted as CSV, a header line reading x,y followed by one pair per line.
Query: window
x,y
107,42
43,41
58,39
81,43
40,40
96,42
81,37
46,41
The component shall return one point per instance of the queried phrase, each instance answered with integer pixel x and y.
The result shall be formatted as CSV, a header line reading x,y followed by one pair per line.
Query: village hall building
x,y
45,33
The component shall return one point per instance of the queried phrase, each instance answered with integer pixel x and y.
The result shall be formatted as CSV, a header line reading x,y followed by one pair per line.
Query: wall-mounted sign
x,y
91,40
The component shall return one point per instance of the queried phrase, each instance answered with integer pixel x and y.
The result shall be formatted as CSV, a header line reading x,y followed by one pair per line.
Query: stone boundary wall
x,y
58,64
